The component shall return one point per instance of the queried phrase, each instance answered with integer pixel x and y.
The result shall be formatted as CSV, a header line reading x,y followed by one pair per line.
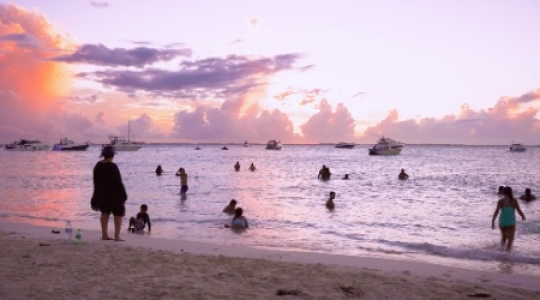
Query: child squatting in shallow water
x,y
138,223
239,221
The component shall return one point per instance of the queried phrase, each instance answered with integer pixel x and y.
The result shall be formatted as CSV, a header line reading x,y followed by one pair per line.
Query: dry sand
x,y
36,264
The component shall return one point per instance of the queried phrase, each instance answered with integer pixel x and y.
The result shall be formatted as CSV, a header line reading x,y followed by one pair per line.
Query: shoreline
x,y
336,267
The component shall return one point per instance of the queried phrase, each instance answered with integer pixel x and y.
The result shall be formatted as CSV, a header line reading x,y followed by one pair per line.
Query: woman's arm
x,y
519,210
495,214
119,183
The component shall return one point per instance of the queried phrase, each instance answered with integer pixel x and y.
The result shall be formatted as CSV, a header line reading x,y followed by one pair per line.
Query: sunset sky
x,y
465,72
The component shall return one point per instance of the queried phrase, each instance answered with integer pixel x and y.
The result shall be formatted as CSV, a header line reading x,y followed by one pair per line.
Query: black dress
x,y
109,192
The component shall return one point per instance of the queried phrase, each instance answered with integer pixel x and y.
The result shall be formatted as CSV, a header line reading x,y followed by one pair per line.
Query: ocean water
x,y
442,214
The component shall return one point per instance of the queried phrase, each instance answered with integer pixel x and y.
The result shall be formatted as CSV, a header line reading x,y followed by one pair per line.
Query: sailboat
x,y
121,143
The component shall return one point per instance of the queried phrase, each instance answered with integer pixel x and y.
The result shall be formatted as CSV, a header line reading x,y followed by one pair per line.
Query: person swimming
x,y
229,209
330,202
159,170
324,173
402,175
237,166
252,167
528,196
346,177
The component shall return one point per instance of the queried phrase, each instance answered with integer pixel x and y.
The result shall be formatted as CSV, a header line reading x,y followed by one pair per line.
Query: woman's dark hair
x,y
144,207
527,191
238,212
508,192
233,202
107,151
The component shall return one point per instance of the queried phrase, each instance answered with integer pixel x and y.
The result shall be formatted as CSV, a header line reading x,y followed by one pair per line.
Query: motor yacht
x,y
66,144
517,147
386,146
27,145
344,145
274,145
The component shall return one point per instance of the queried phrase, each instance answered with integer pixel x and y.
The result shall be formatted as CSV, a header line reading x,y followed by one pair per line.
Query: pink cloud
x,y
227,125
507,121
328,126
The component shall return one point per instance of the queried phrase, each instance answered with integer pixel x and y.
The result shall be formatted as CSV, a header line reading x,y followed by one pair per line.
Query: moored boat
x,y
274,145
517,147
121,143
66,144
386,146
344,145
27,145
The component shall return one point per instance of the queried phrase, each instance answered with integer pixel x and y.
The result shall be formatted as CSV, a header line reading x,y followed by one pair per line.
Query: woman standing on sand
x,y
109,194
507,221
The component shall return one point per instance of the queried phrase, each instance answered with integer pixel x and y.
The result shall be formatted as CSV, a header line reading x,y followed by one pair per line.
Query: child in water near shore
x,y
239,221
138,223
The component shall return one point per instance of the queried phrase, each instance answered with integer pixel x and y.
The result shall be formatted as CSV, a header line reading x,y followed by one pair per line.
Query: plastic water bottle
x,y
78,237
69,232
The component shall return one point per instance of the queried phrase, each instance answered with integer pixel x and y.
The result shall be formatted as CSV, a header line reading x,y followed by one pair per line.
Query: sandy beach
x,y
37,264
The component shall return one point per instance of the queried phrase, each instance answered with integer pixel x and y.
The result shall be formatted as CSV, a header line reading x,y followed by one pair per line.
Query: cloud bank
x,y
137,57
511,119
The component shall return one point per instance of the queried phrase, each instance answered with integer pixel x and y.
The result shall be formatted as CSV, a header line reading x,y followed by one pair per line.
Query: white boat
x,y
517,147
343,145
386,146
66,144
27,145
121,143
274,145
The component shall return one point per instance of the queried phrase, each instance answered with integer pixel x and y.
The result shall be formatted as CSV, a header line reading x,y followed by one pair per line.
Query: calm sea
x,y
442,214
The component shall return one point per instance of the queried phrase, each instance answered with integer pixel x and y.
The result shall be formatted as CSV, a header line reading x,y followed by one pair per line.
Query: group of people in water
x,y
238,221
237,167
109,197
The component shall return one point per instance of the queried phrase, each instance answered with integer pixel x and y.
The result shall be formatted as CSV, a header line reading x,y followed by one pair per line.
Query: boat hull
x,y
125,147
344,146
81,147
385,152
29,147
274,147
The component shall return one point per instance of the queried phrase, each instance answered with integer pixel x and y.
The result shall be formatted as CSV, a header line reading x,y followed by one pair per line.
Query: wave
x,y
489,253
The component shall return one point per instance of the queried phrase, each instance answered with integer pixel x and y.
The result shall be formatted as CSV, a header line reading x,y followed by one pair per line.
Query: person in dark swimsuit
x,y
138,223
507,206
109,194
528,196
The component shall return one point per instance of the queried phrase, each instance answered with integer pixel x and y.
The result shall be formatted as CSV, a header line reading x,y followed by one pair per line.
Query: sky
x,y
438,72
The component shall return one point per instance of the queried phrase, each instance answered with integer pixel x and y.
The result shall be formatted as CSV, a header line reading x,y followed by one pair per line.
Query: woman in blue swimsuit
x,y
507,206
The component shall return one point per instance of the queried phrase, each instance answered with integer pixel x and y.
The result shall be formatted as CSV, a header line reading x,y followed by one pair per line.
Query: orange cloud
x,y
27,41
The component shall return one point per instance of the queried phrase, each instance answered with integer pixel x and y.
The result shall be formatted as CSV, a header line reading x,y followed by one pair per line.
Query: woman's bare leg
x,y
503,236
117,228
510,234
104,226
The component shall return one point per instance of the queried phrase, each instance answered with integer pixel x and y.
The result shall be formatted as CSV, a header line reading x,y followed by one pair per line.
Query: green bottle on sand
x,y
78,237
